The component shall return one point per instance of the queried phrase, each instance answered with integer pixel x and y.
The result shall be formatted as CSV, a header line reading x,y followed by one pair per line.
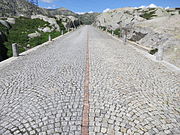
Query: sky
x,y
81,6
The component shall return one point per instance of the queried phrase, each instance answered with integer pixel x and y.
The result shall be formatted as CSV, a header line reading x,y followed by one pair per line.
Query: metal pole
x,y
15,50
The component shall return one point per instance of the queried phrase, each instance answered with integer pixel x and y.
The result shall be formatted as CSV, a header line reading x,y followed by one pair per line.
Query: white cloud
x,y
106,10
142,6
80,13
48,1
49,7
90,12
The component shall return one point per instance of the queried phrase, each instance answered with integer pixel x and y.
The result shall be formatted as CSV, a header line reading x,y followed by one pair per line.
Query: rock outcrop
x,y
114,19
121,17
33,35
150,27
69,21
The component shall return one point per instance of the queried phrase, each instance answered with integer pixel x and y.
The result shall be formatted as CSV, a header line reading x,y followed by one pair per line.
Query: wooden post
x,y
15,50
159,55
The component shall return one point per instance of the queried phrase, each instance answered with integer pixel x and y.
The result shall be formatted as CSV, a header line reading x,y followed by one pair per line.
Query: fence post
x,y
112,32
15,50
50,39
159,55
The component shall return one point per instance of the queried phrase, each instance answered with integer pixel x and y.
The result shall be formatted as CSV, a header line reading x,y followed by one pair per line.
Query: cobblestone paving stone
x,y
130,94
41,93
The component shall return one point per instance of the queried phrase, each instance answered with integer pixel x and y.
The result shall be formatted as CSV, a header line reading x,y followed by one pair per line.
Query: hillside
x,y
26,9
19,8
88,18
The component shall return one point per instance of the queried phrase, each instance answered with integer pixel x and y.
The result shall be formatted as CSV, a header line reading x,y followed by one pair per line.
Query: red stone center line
x,y
85,119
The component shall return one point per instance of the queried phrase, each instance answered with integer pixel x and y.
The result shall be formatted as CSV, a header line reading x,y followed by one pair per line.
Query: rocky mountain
x,y
26,9
88,18
9,8
150,27
61,11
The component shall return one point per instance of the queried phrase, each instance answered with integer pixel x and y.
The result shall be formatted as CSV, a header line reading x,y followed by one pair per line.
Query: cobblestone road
x,y
130,94
42,93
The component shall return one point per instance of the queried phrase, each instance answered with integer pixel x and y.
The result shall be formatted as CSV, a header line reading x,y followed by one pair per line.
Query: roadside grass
x,y
117,32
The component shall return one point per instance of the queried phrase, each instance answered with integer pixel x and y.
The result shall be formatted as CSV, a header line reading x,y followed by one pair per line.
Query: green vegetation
x,y
153,51
103,28
61,26
3,29
117,32
24,26
110,31
148,15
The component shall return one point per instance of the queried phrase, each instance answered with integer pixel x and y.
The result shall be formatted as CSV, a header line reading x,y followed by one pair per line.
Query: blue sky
x,y
100,5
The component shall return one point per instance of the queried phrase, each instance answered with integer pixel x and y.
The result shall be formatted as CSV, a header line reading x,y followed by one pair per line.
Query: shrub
x,y
117,32
103,28
148,15
153,51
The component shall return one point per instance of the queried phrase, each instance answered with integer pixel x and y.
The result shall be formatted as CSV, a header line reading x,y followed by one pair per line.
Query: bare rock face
x,y
47,29
114,19
11,20
5,23
9,8
69,21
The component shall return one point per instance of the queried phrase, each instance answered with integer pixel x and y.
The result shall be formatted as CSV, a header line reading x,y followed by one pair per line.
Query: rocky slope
x,y
20,8
26,9
150,27
123,16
